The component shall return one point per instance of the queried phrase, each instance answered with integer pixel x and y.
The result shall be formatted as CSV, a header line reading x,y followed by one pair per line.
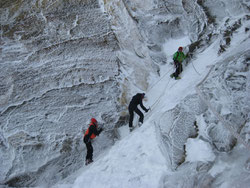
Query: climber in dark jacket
x,y
137,99
90,134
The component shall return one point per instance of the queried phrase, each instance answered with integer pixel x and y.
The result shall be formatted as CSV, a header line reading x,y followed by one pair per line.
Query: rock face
x,y
178,125
58,69
228,82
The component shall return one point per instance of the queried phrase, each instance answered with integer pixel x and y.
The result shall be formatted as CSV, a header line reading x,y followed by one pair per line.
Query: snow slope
x,y
139,159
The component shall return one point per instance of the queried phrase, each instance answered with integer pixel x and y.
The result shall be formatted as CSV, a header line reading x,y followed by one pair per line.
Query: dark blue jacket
x,y
137,99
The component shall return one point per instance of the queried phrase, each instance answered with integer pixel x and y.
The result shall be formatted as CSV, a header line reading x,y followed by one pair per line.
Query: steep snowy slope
x,y
147,156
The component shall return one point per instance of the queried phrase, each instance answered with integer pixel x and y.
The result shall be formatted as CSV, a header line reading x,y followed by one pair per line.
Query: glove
x,y
100,130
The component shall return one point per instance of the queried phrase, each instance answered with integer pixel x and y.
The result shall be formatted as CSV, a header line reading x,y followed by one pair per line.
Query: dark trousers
x,y
89,150
131,110
178,69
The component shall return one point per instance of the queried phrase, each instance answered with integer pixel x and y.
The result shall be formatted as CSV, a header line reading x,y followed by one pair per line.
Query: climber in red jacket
x,y
90,134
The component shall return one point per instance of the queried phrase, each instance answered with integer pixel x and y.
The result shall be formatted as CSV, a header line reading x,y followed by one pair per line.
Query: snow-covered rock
x,y
58,69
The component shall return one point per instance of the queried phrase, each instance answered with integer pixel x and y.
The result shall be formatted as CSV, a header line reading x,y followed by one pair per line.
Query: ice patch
x,y
198,150
219,168
123,131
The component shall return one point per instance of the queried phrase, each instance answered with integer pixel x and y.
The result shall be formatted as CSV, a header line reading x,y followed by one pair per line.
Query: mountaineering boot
x,y
172,75
177,78
131,129
88,161
140,123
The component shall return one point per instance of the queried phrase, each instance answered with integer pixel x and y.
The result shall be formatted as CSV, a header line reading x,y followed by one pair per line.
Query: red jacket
x,y
91,132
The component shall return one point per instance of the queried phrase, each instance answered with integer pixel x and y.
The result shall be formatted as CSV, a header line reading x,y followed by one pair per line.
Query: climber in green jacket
x,y
178,58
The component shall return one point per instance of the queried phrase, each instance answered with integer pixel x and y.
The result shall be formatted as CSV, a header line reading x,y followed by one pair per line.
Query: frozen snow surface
x,y
65,62
202,150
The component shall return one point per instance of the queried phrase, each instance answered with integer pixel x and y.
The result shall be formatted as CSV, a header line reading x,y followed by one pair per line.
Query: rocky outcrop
x,y
228,82
58,69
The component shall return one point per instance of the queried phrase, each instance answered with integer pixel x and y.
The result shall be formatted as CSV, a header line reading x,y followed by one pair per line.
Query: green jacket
x,y
179,56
